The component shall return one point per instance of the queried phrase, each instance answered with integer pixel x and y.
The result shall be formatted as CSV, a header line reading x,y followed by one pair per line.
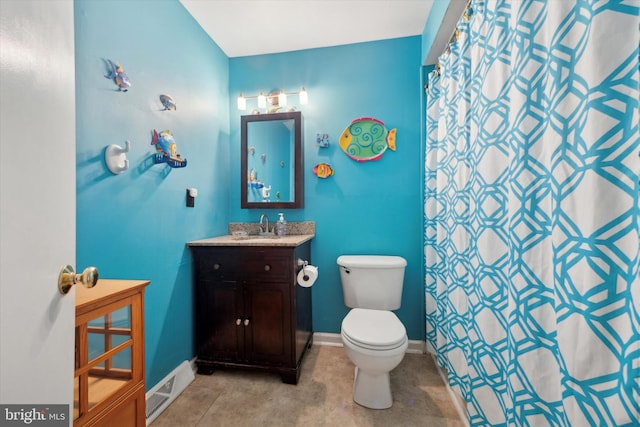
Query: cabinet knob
x,y
216,266
238,322
267,267
246,322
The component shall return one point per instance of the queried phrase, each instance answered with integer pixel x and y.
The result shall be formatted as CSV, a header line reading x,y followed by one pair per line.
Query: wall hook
x,y
116,159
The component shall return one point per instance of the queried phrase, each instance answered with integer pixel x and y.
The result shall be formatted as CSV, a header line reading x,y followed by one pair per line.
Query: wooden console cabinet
x,y
250,313
109,386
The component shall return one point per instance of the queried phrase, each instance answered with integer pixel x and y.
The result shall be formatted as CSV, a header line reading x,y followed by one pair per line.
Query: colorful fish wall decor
x,y
252,180
166,150
367,139
323,170
118,75
167,102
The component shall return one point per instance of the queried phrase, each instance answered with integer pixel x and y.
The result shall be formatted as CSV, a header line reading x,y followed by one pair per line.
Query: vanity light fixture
x,y
242,102
304,97
262,100
273,98
282,99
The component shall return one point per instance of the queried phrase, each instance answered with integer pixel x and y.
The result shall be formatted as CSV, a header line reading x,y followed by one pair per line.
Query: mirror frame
x,y
298,196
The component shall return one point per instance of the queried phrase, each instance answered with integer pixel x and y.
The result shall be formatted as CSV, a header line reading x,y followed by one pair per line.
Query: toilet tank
x,y
372,281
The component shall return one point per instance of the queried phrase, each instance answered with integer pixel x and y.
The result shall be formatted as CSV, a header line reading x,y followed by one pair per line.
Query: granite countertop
x,y
229,240
298,233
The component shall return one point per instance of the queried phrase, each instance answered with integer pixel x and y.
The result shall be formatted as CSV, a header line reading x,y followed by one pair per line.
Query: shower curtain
x,y
532,214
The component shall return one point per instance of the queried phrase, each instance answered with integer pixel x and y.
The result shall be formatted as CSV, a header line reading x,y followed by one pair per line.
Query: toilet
x,y
374,339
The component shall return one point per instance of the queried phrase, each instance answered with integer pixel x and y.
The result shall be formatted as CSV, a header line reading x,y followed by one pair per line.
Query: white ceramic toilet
x,y
374,338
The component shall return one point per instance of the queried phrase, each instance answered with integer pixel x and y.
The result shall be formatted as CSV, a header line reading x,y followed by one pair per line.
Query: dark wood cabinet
x,y
250,313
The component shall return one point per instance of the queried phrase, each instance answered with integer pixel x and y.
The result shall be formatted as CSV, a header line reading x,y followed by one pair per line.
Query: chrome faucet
x,y
266,230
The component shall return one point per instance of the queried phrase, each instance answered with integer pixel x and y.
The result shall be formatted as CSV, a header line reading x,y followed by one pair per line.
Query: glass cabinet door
x,y
104,359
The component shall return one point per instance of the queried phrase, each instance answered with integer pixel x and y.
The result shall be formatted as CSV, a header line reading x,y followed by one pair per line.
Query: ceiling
x,y
254,27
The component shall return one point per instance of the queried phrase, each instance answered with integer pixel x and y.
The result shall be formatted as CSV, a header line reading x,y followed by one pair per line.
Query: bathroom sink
x,y
256,237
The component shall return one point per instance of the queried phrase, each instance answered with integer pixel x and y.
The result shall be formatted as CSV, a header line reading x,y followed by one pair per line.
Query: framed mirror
x,y
271,161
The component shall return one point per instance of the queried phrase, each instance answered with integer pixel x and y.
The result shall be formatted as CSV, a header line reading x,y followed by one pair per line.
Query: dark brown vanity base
x,y
250,312
288,375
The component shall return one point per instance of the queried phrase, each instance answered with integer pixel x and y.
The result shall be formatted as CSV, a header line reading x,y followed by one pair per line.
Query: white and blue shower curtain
x,y
532,213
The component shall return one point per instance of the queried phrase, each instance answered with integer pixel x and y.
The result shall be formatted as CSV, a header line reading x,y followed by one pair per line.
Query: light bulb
x,y
304,97
282,99
242,103
262,100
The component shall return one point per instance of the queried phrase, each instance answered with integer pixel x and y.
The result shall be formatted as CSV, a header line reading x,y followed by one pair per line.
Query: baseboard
x,y
335,340
331,340
170,387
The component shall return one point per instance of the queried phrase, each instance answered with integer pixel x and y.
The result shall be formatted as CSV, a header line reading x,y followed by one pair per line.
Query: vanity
x,y
250,313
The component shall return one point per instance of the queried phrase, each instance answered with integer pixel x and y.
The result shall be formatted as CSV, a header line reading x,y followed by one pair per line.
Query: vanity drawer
x,y
266,266
216,264
243,264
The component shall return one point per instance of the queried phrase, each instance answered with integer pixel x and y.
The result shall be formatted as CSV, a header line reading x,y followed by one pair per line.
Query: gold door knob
x,y
68,278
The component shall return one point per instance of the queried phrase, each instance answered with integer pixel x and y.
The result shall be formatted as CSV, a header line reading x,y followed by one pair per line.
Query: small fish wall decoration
x,y
252,179
367,139
167,102
323,170
166,150
118,75
322,139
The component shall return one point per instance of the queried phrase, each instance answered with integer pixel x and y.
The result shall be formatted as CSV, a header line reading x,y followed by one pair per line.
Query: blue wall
x,y
365,208
135,225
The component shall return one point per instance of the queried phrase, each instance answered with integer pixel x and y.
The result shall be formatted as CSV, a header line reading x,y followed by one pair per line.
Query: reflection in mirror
x,y
271,159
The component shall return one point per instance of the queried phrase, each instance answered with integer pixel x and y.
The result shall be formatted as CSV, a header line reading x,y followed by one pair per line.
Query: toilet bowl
x,y
375,341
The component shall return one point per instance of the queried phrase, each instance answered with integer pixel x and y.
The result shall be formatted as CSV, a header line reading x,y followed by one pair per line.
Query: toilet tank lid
x,y
371,261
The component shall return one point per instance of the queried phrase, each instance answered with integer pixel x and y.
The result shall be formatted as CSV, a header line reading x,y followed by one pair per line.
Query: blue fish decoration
x,y
118,75
167,102
166,151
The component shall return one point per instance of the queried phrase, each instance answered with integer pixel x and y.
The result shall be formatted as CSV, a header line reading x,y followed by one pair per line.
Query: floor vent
x,y
165,392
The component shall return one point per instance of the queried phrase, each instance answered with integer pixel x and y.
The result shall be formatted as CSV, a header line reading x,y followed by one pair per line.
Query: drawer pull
x,y
246,322
216,266
238,322
267,267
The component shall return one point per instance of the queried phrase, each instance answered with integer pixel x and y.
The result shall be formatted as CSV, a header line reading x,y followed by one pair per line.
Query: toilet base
x,y
372,390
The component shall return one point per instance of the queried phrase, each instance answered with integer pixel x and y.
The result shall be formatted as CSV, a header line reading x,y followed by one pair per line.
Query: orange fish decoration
x,y
322,170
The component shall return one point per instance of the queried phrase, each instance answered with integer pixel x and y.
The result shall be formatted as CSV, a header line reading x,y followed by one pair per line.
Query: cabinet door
x,y
219,310
268,335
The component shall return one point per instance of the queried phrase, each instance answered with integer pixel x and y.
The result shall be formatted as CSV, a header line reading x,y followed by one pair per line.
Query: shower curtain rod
x,y
467,13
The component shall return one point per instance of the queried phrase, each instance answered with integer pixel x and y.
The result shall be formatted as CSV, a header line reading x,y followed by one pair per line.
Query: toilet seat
x,y
374,329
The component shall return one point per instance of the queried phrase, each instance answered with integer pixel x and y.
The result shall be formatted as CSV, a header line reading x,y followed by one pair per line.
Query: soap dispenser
x,y
281,226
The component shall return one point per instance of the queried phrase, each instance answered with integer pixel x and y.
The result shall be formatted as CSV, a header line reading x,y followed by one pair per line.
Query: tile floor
x,y
321,398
